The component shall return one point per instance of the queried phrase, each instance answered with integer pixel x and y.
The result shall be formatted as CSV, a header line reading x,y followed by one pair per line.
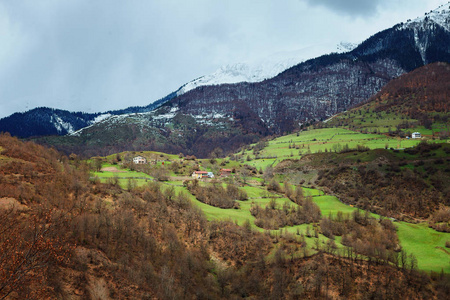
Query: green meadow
x,y
321,140
383,122
124,177
427,244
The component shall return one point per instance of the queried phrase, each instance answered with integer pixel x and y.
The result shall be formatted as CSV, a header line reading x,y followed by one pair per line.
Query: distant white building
x,y
416,135
202,174
139,160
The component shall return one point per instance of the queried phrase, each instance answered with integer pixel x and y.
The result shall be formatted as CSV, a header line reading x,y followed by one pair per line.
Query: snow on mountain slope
x,y
259,70
61,125
440,16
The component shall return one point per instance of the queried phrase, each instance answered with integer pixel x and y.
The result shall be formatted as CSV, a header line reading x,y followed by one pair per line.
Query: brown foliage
x,y
366,235
216,195
390,191
29,245
271,217
440,219
422,90
237,244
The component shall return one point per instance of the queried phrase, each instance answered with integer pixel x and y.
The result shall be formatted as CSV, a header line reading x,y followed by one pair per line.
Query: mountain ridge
x,y
41,121
231,115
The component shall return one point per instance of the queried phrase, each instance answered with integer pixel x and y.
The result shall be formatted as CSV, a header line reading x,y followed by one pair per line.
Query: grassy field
x,y
124,177
109,170
320,140
383,122
426,244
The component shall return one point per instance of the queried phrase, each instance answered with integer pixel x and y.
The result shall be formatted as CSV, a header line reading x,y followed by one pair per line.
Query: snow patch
x,y
60,125
440,16
168,115
343,47
101,118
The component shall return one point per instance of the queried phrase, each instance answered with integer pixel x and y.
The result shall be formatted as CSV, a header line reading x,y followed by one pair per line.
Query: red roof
x,y
201,172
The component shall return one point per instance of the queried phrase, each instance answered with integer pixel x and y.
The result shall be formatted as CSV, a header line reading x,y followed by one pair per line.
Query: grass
x,y
122,173
123,177
330,205
427,244
293,146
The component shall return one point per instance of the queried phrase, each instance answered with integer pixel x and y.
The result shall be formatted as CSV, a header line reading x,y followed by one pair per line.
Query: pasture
x,y
293,146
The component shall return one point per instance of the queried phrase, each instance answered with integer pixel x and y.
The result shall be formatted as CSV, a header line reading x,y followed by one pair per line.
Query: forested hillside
x,y
418,100
64,236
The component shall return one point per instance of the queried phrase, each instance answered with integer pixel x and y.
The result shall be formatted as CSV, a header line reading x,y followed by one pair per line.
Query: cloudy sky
x,y
85,55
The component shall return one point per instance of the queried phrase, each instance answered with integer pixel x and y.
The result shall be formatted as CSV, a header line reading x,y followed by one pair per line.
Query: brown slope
x,y
424,90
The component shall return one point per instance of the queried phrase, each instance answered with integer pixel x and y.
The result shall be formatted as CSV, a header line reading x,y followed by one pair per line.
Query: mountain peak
x,y
265,68
440,16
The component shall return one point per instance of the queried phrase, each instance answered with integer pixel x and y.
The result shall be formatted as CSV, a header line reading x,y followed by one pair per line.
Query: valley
x,y
251,167
322,179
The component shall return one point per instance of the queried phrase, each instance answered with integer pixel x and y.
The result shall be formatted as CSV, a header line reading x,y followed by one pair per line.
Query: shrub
x,y
274,186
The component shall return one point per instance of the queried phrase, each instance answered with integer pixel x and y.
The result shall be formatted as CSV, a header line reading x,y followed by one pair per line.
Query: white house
x,y
139,160
202,174
416,135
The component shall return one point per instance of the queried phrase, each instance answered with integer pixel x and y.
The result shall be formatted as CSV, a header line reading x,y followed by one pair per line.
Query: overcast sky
x,y
98,55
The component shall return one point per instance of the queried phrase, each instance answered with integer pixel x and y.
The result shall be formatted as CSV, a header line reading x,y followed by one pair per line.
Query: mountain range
x,y
43,121
207,113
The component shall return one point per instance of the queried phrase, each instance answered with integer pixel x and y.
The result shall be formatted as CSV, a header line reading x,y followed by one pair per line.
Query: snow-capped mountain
x,y
343,47
262,69
207,113
439,17
47,121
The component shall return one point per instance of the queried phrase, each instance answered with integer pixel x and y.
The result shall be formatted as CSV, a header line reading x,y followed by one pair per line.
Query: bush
x,y
271,217
216,195
274,186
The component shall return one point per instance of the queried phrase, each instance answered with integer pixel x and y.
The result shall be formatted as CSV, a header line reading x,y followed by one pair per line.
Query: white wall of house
x,y
139,160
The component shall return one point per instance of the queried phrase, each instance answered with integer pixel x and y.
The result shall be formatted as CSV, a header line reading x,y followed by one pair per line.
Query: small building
x,y
416,135
139,160
202,174
225,172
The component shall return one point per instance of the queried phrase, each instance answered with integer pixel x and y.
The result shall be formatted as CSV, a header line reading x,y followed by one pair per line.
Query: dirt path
x,y
112,169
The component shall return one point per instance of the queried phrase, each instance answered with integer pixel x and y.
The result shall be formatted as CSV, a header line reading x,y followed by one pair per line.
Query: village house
x,y
225,172
139,160
416,135
202,174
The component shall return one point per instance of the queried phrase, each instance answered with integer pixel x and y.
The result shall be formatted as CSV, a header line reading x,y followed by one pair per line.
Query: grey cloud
x,y
349,7
101,55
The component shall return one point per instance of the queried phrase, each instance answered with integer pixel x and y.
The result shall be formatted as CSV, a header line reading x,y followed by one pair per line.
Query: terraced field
x,y
321,140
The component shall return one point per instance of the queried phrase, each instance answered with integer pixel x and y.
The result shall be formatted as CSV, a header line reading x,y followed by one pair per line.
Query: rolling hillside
x,y
417,101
